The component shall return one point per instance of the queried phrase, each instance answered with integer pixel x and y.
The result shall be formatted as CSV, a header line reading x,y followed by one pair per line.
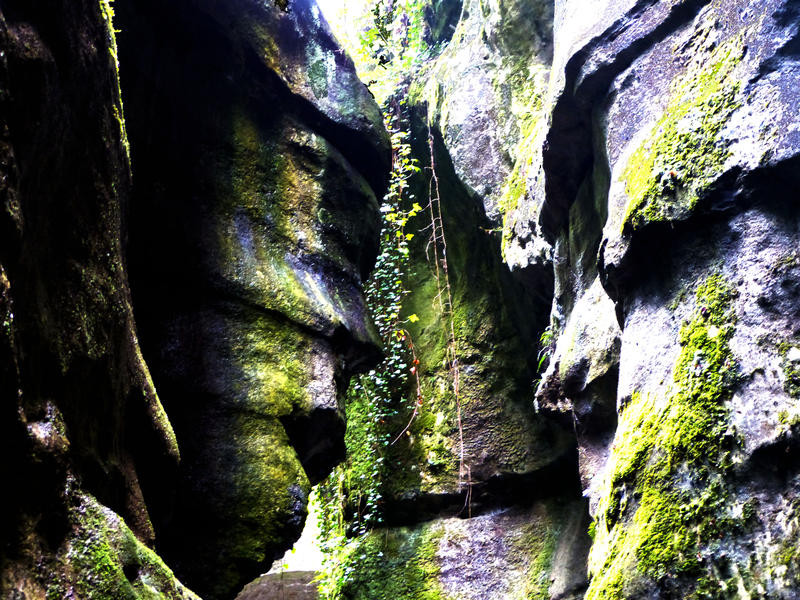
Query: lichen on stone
x,y
107,12
397,565
790,364
102,558
684,152
665,499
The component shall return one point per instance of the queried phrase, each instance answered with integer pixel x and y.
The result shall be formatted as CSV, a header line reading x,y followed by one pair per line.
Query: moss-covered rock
x,y
685,151
635,90
496,432
258,156
519,553
103,558
646,521
715,119
98,557
486,94
698,488
80,415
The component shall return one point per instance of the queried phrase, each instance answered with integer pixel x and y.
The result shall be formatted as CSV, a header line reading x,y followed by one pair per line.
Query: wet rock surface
x,y
513,552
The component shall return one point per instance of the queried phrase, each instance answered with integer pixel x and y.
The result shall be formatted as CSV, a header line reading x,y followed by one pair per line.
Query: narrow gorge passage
x,y
504,293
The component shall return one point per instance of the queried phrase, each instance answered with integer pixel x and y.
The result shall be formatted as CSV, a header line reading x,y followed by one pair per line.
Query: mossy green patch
x,y
666,497
406,566
683,153
790,364
274,182
529,146
107,12
103,559
539,544
317,70
786,556
395,564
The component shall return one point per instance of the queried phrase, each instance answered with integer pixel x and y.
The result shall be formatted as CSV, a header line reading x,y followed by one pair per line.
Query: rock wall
x,y
247,227
261,168
692,164
617,184
81,418
499,514
638,160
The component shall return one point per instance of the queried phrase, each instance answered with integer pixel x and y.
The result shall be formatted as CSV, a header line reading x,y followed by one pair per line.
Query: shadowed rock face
x,y
253,222
258,157
79,417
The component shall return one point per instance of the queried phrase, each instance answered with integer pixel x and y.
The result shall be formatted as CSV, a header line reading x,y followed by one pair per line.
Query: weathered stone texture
x,y
249,225
81,418
258,156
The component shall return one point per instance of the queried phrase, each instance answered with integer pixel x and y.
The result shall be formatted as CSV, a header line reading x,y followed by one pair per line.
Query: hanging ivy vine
x,y
389,50
351,498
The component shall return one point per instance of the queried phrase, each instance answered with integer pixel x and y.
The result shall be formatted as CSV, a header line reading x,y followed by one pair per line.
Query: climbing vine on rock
x,y
383,405
387,40
351,498
385,408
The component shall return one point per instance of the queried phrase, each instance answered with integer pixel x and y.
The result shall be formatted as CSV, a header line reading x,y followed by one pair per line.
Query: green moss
x,y
791,369
592,529
273,359
398,564
317,70
541,548
665,177
105,560
528,88
273,185
786,556
514,190
788,349
107,12
669,460
785,263
266,485
155,410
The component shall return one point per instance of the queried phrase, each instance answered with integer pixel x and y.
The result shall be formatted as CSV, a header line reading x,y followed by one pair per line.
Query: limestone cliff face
x,y
261,153
640,159
691,155
617,183
505,519
248,226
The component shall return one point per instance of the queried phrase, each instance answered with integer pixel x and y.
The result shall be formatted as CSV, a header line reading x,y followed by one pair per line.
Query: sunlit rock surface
x,y
643,163
661,129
